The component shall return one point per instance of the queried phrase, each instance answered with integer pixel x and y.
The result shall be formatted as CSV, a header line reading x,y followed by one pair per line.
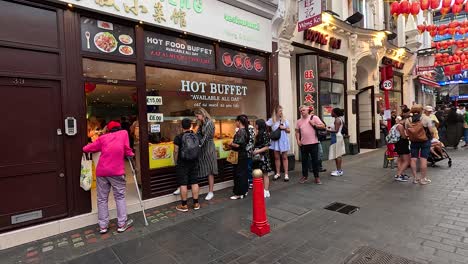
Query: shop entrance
x,y
32,176
366,118
105,103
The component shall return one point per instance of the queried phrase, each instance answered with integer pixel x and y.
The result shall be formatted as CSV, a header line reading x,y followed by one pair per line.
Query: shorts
x,y
402,147
420,149
186,172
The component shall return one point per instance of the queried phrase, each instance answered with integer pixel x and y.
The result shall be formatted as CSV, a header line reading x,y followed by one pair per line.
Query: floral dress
x,y
262,160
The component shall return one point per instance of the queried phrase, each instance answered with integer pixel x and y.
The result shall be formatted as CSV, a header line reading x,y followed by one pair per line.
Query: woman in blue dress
x,y
280,146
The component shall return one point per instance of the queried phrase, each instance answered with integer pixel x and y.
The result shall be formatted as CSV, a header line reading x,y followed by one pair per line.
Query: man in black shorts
x,y
186,170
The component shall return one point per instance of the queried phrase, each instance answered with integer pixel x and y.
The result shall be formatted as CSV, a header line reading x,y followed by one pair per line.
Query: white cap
x,y
428,108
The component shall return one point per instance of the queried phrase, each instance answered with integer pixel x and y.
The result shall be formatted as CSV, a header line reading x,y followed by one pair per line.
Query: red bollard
x,y
260,225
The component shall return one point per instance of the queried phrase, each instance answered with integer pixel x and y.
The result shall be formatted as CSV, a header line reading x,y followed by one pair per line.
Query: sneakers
x,y
286,178
276,177
250,185
337,173
266,193
128,224
196,206
182,208
209,196
103,230
176,192
237,197
317,181
303,180
402,178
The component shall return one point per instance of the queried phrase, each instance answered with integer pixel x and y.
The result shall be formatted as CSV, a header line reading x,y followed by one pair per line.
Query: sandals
x,y
415,181
276,177
424,181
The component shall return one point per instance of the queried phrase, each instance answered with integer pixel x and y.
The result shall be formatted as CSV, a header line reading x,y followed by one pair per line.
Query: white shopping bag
x,y
86,176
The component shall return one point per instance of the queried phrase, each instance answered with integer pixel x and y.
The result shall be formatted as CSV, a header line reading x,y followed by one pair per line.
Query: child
x,y
436,149
110,172
187,167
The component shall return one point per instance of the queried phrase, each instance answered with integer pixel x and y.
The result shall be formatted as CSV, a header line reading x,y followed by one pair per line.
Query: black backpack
x,y
190,147
344,129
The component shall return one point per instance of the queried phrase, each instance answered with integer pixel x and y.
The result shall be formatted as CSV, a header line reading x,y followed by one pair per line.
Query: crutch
x,y
137,189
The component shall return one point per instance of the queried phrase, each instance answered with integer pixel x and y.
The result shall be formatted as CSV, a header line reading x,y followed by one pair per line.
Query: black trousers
x,y
241,182
310,152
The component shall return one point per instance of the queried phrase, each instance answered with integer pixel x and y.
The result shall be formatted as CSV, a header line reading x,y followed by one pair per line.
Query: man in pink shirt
x,y
110,172
307,140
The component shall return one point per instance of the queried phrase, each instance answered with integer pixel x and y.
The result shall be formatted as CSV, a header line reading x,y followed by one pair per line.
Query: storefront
x,y
320,73
142,64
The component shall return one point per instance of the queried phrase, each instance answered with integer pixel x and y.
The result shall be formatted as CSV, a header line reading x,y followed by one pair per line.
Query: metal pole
x,y
137,189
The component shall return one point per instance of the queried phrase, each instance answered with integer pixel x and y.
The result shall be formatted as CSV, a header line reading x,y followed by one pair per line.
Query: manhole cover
x,y
342,208
368,255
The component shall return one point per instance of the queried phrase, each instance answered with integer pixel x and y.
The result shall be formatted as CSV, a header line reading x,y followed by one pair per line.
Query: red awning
x,y
428,82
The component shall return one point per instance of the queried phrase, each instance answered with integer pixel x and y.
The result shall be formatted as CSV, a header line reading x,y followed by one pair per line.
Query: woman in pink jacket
x,y
110,172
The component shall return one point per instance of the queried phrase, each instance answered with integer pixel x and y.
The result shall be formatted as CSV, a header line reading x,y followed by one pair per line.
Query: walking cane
x,y
137,189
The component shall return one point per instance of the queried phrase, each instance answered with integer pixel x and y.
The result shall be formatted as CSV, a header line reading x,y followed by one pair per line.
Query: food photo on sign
x,y
106,38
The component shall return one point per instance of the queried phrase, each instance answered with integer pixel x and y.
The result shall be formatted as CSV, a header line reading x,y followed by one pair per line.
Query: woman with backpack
x,y
337,147
418,128
261,157
239,144
402,147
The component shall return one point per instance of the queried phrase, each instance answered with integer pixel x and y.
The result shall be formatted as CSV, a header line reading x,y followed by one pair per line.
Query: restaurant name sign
x,y
227,23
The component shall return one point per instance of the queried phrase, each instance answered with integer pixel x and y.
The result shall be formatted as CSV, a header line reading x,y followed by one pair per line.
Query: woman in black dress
x,y
261,157
239,144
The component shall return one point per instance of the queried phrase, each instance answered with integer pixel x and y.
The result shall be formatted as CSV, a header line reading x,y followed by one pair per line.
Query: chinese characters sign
x,y
234,61
310,14
308,90
226,22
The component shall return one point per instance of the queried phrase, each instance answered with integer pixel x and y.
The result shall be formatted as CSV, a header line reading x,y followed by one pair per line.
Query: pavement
x,y
410,222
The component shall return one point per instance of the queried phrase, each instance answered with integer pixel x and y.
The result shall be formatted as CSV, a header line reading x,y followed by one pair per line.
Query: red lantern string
x,y
404,7
425,5
446,3
395,9
435,4
415,8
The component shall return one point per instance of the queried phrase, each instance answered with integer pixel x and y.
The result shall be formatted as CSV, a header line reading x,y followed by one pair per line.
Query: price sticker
x,y
155,117
153,100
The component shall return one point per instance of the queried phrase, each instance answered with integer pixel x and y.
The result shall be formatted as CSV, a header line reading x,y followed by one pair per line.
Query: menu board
x,y
169,49
234,61
107,38
161,155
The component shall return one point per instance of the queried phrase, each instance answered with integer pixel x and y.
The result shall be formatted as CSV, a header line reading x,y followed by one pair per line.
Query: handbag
x,y
86,174
276,135
233,157
320,132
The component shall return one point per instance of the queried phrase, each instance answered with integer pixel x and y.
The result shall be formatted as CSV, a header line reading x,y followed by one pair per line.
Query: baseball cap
x,y
112,124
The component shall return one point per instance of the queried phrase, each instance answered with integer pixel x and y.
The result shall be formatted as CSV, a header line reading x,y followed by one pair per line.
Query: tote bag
x,y
233,157
86,175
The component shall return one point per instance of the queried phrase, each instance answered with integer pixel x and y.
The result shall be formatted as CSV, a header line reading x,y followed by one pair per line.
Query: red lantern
x,y
415,8
438,56
459,2
395,9
454,24
463,57
433,33
404,7
424,5
461,31
443,27
456,9
452,31
444,11
89,87
421,28
435,4
446,3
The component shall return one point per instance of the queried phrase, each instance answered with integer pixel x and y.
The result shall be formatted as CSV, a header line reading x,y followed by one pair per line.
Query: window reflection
x,y
109,70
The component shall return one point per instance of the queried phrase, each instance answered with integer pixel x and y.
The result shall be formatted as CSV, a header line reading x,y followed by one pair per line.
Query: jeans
x,y
104,185
310,151
465,135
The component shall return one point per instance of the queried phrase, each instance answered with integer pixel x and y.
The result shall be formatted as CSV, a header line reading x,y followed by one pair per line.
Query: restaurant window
x,y
331,69
108,70
331,96
180,92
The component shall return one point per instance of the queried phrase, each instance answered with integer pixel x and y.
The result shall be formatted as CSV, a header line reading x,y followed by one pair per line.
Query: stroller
x,y
432,159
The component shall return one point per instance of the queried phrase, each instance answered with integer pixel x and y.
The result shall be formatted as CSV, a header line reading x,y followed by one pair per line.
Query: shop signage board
x,y
310,14
234,61
322,39
396,64
226,23
107,38
154,100
170,49
424,68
